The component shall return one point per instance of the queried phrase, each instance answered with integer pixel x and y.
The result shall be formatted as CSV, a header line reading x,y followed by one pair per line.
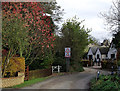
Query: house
x,y
101,53
91,53
112,52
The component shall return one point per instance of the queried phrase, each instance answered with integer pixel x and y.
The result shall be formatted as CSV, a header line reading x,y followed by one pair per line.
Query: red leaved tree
x,y
33,37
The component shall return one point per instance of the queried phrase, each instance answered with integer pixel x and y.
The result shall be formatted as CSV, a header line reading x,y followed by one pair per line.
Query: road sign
x,y
67,52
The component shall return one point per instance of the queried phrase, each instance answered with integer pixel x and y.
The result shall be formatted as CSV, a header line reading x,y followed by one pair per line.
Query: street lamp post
x,y
98,74
112,68
112,73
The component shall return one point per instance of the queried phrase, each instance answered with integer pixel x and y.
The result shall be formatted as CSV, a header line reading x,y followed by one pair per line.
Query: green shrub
x,y
15,64
105,83
76,67
36,65
107,64
118,62
60,61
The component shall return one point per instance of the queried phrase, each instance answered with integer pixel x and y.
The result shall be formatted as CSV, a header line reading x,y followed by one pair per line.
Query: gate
x,y
57,68
26,73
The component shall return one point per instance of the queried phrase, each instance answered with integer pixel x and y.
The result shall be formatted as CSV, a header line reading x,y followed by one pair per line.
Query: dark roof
x,y
93,49
104,50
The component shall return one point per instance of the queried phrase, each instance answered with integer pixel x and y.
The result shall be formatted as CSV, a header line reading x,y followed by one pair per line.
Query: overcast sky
x,y
90,11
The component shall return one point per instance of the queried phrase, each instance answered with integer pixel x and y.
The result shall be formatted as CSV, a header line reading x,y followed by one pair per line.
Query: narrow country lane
x,y
71,81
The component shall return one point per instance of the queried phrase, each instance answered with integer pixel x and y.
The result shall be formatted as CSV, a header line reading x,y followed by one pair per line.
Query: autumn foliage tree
x,y
27,27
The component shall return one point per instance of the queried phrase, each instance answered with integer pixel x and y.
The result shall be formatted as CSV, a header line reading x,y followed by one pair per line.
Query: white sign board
x,y
67,52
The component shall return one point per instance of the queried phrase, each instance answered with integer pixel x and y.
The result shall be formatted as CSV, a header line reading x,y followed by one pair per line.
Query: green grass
x,y
33,81
30,82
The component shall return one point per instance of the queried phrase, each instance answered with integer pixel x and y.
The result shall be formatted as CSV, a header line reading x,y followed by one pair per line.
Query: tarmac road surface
x,y
71,81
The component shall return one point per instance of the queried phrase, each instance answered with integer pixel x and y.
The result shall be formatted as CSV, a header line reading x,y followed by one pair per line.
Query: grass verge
x,y
36,80
30,82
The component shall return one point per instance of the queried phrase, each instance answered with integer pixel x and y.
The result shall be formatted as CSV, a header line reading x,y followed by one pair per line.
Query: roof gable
x,y
98,51
93,50
104,50
90,52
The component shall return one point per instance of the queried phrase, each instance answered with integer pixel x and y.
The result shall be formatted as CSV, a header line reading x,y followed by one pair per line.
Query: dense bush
x,y
42,73
60,61
107,64
76,67
85,63
105,83
36,65
14,65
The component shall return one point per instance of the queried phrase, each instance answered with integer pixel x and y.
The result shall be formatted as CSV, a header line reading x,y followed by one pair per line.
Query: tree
x,y
93,40
112,17
106,42
113,20
27,30
54,10
75,36
116,40
13,40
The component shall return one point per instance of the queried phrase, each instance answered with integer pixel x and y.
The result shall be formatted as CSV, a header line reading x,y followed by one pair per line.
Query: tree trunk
x,y
5,64
118,54
20,52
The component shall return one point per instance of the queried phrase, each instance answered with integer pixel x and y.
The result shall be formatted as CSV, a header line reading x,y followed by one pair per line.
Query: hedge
x,y
15,64
105,83
86,62
40,73
107,64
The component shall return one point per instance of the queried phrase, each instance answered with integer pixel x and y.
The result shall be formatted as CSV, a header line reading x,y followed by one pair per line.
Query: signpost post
x,y
67,55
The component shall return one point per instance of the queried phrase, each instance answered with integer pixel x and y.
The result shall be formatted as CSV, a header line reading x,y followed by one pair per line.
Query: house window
x,y
106,55
112,56
90,57
97,56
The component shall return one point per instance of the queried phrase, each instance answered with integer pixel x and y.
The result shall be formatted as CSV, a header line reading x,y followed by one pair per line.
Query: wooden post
x,y
67,64
58,68
52,69
27,73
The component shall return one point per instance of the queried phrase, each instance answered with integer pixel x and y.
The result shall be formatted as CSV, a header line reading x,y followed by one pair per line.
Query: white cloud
x,y
88,10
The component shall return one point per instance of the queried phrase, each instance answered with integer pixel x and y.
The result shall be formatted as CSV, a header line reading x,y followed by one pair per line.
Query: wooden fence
x,y
37,73
27,73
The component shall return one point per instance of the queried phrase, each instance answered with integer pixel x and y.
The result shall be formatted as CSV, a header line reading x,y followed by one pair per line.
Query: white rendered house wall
x,y
90,53
112,51
98,53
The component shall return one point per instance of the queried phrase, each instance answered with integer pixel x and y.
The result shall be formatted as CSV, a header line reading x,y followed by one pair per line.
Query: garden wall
x,y
8,82
40,73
